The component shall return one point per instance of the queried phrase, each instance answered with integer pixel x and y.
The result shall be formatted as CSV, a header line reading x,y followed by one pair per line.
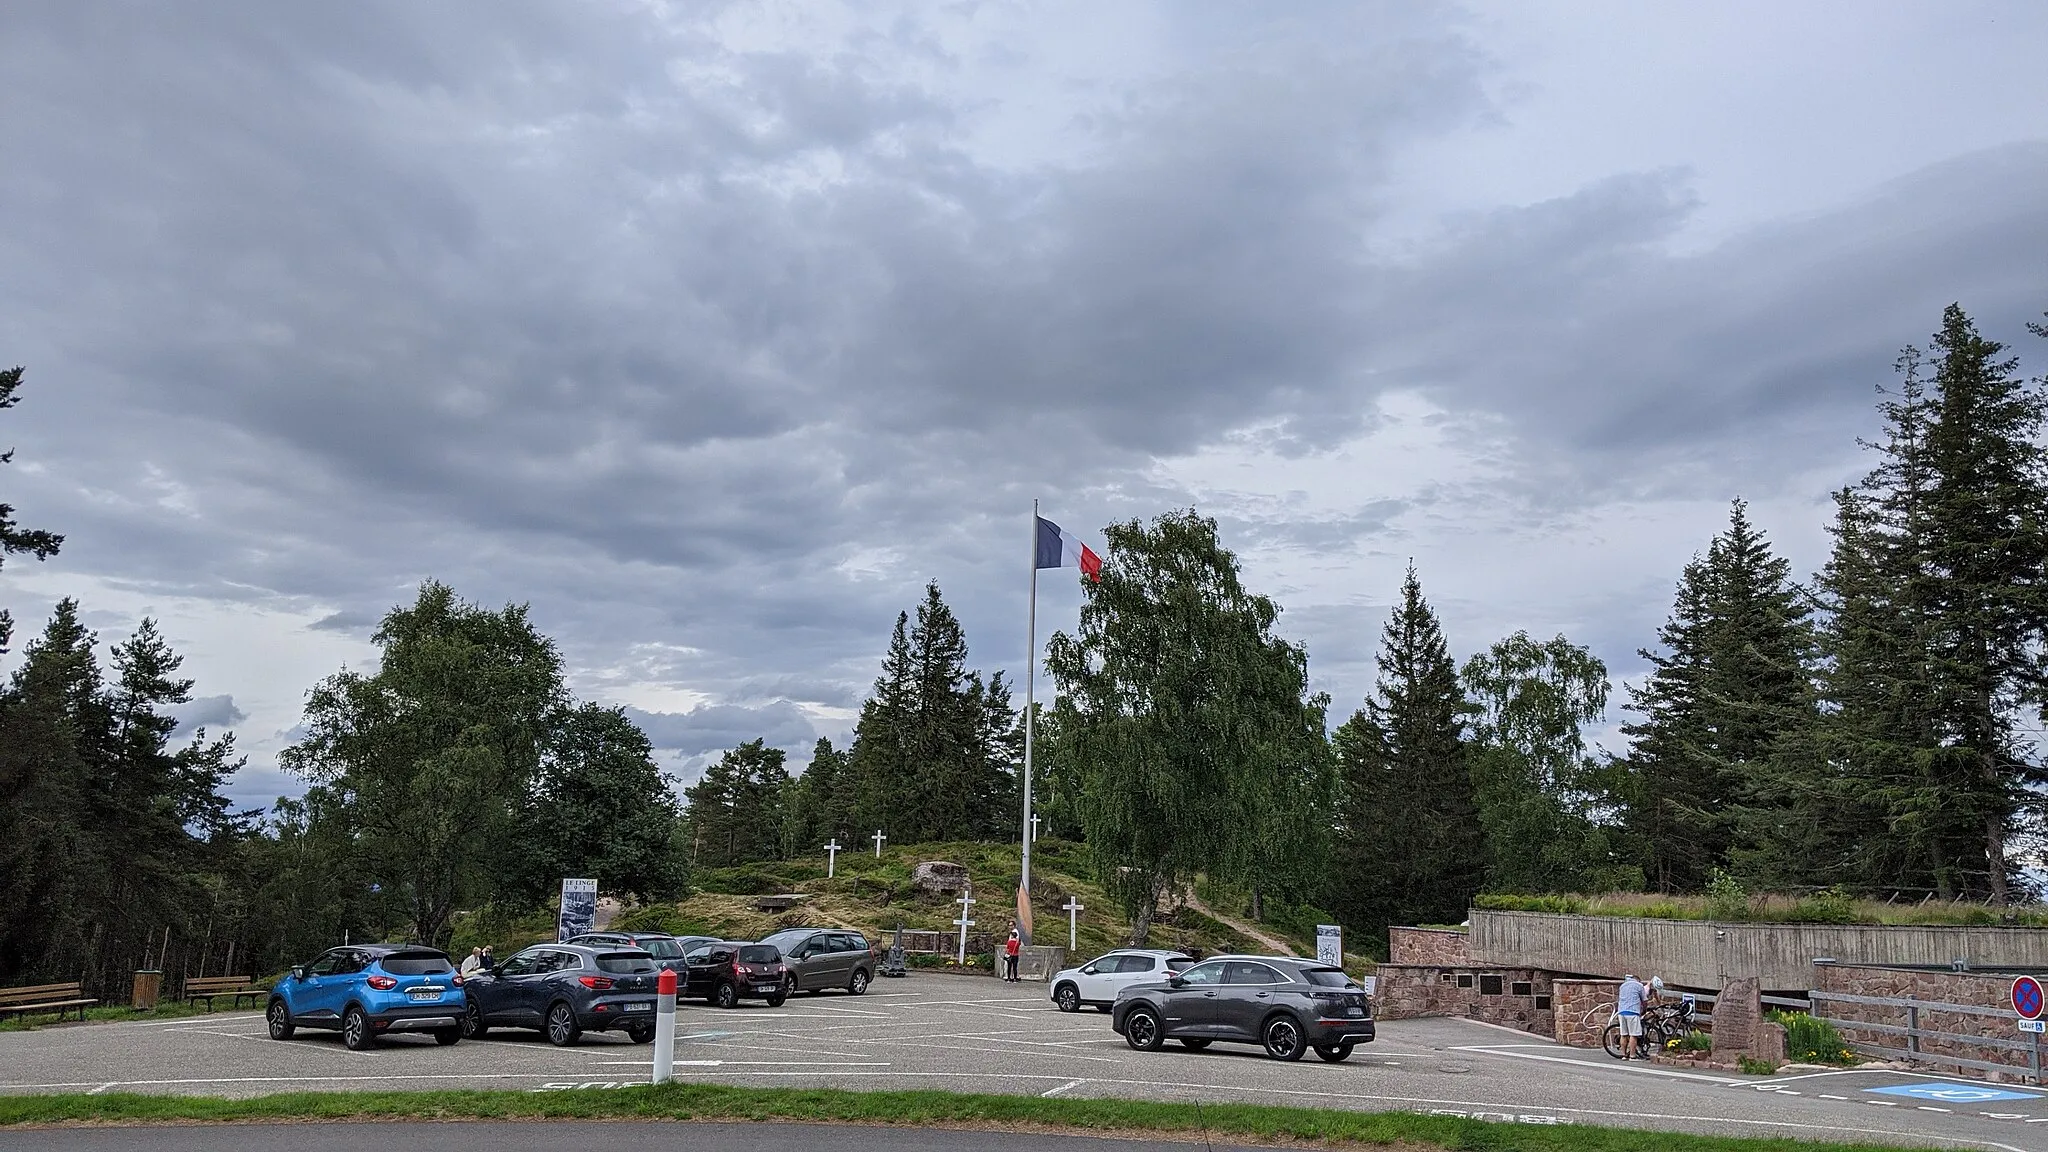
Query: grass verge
x,y
1243,1122
116,1014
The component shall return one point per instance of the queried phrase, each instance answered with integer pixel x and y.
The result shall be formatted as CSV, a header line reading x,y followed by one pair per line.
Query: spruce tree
x,y
735,810
1734,678
1408,846
14,538
1937,617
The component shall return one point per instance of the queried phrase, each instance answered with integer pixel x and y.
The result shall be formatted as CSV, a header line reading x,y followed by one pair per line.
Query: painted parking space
x,y
969,1034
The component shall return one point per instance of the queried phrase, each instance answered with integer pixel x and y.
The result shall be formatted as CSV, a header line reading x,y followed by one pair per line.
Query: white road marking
x,y
1622,1066
1825,1096
1063,1087
1932,1108
103,1088
752,1063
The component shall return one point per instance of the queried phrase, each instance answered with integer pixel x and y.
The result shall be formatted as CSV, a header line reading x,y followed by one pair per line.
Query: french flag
x,y
1057,548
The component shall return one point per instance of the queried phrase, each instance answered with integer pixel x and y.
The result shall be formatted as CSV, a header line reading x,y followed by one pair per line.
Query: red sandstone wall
x,y
1410,990
1581,1010
1981,990
1441,947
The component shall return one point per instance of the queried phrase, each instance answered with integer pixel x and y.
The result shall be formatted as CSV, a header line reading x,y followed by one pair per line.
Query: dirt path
x,y
1278,946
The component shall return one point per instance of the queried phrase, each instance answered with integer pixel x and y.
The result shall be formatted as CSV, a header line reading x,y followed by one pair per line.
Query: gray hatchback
x,y
821,958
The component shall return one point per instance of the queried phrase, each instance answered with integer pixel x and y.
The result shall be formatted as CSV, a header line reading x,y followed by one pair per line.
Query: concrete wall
x,y
1701,954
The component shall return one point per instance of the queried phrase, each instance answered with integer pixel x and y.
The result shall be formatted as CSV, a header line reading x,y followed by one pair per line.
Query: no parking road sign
x,y
2026,997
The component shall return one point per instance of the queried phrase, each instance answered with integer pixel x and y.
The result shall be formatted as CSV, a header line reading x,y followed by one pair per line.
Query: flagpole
x,y
1030,678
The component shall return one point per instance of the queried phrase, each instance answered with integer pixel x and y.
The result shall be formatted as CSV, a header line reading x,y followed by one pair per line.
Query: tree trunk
x,y
1258,905
1994,852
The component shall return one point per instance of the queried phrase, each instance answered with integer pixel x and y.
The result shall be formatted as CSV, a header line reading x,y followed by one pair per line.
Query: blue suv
x,y
368,990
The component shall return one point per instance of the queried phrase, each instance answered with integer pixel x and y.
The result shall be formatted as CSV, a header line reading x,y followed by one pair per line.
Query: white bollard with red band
x,y
665,1027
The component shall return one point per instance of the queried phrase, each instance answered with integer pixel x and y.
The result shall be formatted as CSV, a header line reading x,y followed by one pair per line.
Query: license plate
x,y
765,987
1354,1011
639,1007
424,993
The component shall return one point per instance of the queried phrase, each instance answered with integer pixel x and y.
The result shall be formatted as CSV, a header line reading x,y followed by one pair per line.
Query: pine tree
x,y
816,810
878,762
599,807
1408,846
14,538
735,810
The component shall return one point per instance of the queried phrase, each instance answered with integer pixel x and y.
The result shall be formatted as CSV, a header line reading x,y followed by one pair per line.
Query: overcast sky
x,y
715,331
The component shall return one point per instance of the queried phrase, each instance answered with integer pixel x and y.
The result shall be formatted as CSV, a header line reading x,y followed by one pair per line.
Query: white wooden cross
x,y
1072,908
1034,827
831,857
966,901
879,840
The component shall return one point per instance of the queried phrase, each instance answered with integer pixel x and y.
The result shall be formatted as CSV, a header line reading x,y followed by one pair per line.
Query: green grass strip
x,y
681,1101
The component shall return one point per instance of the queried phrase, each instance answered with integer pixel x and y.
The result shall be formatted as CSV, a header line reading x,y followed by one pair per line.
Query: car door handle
x,y
1208,995
1263,995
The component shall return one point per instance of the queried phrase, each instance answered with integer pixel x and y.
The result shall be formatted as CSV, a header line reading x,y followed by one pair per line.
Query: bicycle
x,y
1662,1025
1651,1040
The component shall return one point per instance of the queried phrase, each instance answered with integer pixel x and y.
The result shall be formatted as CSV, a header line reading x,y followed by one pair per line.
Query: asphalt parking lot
x,y
975,1034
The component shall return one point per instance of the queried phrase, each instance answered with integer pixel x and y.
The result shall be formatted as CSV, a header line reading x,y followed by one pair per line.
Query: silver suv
x,y
821,958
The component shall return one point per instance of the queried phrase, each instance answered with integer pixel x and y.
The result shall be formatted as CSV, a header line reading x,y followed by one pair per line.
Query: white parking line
x,y
1618,1066
1063,1087
753,1063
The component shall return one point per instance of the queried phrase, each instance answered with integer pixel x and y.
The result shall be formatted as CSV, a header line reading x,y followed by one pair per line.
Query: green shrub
x,y
1757,1067
1811,1041
1692,1042
1508,902
1828,906
660,918
1727,899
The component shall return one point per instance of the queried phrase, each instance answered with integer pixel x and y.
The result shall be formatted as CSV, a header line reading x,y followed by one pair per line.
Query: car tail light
x,y
597,982
455,981
382,983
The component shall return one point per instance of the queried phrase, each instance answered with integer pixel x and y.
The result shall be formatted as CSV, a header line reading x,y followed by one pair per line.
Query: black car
x,y
566,990
726,972
1288,1005
667,950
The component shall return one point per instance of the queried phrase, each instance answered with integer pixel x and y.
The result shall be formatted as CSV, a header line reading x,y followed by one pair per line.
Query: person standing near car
x,y
472,962
1010,949
1628,1008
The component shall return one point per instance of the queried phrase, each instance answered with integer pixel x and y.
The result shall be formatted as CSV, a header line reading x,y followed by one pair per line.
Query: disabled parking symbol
x,y
1949,1093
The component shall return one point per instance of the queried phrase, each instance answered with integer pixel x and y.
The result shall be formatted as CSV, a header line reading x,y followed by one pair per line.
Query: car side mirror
x,y
1176,982
299,972
1088,970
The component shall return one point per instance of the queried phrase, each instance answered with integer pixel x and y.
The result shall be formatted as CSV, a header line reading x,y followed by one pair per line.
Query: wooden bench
x,y
779,902
234,987
44,998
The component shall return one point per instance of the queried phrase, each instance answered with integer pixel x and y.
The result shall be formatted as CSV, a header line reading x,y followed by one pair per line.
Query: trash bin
x,y
148,981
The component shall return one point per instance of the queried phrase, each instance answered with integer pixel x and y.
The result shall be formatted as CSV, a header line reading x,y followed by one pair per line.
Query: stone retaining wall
x,y
1515,997
1442,947
1974,989
1581,1010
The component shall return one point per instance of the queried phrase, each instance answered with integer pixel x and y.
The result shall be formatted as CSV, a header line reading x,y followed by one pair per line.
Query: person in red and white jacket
x,y
1010,949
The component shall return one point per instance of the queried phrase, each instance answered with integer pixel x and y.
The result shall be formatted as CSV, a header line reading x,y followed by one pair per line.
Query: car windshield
x,y
666,949
782,940
625,962
759,954
1328,978
416,964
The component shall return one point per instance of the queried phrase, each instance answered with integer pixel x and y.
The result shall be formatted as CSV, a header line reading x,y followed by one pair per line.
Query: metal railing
x,y
1914,1034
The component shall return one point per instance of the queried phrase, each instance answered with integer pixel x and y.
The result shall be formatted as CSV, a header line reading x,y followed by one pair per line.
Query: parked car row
x,y
598,982
1285,1004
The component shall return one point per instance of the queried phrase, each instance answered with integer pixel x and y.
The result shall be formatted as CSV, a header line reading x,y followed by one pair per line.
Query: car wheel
x,y
1194,1045
641,1034
1334,1053
1067,997
473,1025
725,995
1283,1038
776,1000
446,1036
562,1027
1142,1030
355,1030
859,984
279,1017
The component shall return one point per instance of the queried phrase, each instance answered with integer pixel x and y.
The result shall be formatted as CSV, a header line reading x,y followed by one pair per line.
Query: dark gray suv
x,y
1284,1003
821,958
566,990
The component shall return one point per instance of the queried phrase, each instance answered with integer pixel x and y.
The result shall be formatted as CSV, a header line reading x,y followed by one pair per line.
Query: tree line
x,y
1867,729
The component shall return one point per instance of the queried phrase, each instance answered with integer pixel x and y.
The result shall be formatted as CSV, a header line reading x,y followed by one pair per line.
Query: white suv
x,y
1096,982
